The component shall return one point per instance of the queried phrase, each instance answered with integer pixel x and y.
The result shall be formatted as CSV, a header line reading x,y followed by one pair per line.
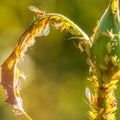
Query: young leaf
x,y
10,73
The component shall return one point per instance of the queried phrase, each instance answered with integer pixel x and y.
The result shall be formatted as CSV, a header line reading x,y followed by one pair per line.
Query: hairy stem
x,y
104,104
105,64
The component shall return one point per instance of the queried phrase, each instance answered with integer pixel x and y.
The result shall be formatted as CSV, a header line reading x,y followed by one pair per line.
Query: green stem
x,y
103,103
105,63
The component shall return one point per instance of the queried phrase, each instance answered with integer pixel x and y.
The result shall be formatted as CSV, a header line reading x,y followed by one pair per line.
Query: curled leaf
x,y
10,73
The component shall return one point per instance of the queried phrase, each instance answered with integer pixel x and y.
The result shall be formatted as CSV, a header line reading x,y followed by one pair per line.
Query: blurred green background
x,y
56,71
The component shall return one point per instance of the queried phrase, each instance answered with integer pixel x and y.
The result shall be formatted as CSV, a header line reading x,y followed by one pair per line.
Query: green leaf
x,y
106,34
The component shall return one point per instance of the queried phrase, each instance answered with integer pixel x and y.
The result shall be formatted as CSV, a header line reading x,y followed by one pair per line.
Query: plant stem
x,y
104,61
104,103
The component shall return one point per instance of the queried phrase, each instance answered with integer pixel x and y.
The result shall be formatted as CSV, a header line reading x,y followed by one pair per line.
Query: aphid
x,y
109,47
114,7
114,60
103,67
106,59
89,95
36,10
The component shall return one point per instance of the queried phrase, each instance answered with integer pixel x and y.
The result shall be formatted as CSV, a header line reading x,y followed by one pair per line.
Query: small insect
x,y
114,7
89,95
36,10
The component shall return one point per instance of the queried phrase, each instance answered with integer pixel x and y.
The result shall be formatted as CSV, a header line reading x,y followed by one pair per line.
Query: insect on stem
x,y
36,10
